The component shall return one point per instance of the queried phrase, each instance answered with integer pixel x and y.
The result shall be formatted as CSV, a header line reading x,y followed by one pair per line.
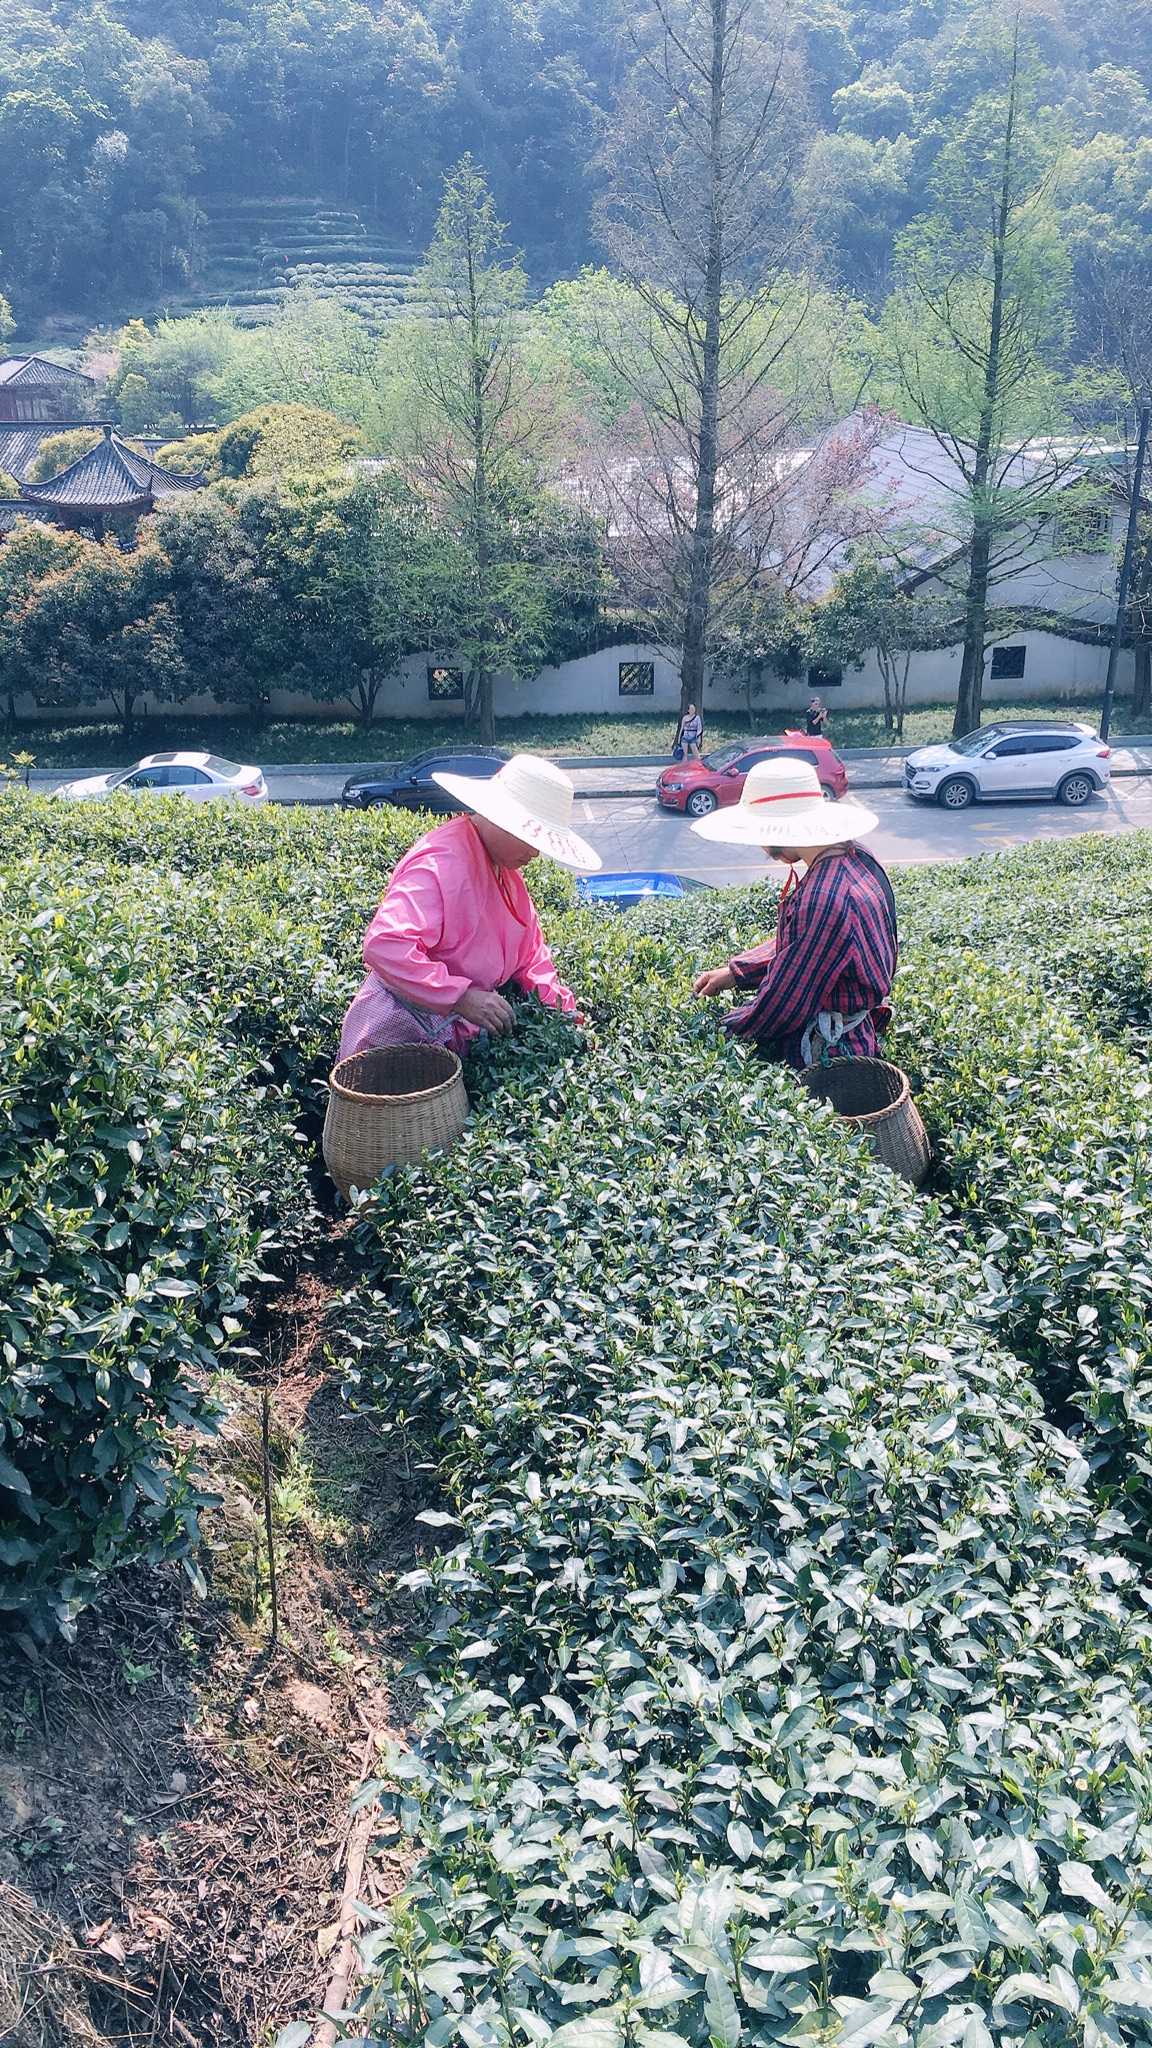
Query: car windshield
x,y
220,767
723,757
975,742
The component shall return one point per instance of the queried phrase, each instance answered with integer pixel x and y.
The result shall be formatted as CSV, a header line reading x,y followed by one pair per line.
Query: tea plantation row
x,y
786,1662
172,984
169,990
786,1668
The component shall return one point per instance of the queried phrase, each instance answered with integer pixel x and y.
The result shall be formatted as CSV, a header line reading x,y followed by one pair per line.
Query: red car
x,y
698,787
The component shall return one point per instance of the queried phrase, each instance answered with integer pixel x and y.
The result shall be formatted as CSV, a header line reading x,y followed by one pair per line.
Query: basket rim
x,y
867,1116
414,1095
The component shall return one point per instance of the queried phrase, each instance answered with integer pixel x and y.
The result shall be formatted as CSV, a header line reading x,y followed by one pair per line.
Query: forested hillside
x,y
129,131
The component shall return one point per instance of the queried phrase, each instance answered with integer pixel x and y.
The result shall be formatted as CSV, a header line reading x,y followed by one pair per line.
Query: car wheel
x,y
1076,790
829,795
700,804
956,794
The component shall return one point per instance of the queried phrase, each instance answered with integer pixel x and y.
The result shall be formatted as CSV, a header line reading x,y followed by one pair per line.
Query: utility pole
x,y
1125,572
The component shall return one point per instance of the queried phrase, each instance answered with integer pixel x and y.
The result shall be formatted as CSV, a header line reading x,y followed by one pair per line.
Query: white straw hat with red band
x,y
532,799
782,804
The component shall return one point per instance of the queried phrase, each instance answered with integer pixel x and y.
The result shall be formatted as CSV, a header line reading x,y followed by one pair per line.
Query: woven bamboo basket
x,y
388,1107
876,1097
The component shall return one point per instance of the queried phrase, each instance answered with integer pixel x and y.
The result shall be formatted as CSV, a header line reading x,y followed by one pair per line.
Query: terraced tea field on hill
x,y
253,250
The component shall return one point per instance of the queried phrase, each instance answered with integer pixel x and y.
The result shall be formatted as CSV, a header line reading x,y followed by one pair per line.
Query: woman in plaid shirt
x,y
823,980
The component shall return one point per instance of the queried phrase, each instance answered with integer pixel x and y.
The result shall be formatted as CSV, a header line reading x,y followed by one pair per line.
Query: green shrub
x,y
785,1669
148,1172
276,440
1045,1132
192,455
174,981
58,451
769,1670
354,850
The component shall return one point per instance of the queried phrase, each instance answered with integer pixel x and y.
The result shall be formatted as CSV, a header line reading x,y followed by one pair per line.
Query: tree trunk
x,y
902,695
698,607
970,694
485,707
479,701
888,678
481,509
364,695
1142,684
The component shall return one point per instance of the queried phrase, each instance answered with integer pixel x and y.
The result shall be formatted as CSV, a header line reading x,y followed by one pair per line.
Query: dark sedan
x,y
409,783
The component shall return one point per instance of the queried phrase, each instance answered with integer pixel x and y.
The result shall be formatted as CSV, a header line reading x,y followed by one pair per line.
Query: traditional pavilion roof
x,y
20,441
38,370
111,477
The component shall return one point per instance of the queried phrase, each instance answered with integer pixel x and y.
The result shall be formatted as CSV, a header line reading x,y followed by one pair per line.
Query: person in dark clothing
x,y
822,982
816,719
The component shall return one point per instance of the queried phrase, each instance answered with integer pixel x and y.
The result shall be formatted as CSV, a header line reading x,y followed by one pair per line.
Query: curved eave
x,y
141,502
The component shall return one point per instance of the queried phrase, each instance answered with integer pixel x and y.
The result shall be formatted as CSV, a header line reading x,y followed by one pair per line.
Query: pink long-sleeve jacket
x,y
446,925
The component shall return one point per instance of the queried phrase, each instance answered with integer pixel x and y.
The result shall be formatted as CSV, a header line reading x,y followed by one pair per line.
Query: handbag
x,y
678,751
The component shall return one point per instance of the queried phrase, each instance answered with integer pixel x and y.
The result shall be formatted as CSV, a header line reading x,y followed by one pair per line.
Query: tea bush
x,y
1023,1012
211,841
785,1663
148,1171
1077,918
341,858
173,986
784,1680
1045,1132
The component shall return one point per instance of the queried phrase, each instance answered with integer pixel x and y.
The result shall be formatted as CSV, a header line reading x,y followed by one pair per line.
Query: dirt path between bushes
x,y
173,1793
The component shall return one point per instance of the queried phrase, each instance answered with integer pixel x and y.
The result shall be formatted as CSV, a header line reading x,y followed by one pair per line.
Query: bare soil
x,y
174,1788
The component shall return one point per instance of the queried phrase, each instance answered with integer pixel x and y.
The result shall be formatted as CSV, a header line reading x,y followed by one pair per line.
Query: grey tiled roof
x,y
20,441
38,370
111,474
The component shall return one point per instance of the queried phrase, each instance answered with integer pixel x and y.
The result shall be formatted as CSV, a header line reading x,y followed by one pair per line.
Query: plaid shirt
x,y
835,949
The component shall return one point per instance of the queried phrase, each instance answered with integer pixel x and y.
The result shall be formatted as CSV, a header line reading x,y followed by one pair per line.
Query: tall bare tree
x,y
697,220
783,514
971,328
480,427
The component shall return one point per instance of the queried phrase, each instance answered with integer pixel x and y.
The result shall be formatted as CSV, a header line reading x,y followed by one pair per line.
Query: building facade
x,y
34,388
1063,576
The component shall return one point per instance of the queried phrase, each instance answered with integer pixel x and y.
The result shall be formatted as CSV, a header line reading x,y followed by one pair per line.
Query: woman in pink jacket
x,y
458,923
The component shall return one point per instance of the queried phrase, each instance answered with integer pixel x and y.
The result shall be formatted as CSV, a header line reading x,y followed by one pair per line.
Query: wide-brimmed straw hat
x,y
532,799
783,804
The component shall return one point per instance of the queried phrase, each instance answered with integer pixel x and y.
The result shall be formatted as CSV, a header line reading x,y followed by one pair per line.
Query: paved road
x,y
632,833
323,783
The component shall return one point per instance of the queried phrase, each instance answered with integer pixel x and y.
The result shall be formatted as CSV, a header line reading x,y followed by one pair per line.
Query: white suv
x,y
1019,758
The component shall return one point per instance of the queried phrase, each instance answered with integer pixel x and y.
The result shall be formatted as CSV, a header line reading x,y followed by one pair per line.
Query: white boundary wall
x,y
1054,667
